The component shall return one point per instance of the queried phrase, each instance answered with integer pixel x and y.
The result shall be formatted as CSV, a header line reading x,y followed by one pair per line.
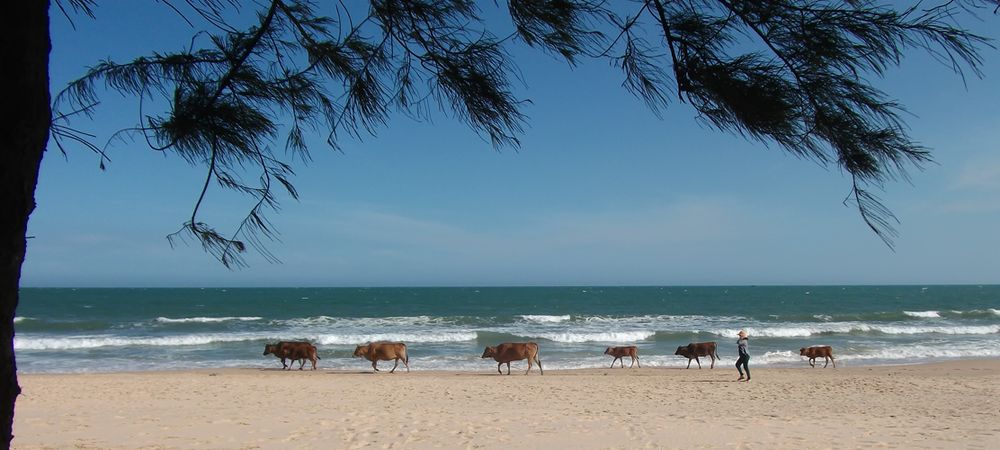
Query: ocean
x,y
111,330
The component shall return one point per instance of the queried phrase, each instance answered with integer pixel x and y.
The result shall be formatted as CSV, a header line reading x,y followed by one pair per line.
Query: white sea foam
x,y
784,332
661,321
82,342
544,318
923,314
915,353
612,336
972,329
20,319
823,317
994,311
362,322
428,337
307,321
206,319
775,357
805,330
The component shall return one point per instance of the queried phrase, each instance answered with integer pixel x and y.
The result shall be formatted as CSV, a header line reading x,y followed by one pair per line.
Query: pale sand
x,y
949,405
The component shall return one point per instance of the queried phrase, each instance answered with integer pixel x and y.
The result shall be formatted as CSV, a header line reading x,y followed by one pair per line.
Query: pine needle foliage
x,y
789,73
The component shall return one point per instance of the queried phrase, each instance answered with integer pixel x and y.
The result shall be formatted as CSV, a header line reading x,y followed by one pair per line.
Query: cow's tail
x,y
538,360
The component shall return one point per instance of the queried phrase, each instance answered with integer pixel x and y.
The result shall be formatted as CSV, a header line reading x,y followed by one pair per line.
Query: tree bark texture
x,y
25,116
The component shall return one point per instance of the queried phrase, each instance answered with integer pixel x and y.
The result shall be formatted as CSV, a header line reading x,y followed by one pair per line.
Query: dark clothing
x,y
744,359
741,347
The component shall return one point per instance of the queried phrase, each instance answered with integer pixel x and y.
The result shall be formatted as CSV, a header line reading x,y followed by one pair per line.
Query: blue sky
x,y
600,192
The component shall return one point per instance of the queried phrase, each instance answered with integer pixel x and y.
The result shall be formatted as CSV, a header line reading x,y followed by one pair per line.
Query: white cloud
x,y
683,229
979,175
686,221
970,205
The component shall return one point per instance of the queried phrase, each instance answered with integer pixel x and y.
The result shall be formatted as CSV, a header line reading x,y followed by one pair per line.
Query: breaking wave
x,y
545,319
366,322
805,330
614,337
85,342
206,319
361,338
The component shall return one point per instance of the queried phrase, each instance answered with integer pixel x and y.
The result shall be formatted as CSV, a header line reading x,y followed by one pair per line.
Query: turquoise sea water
x,y
74,330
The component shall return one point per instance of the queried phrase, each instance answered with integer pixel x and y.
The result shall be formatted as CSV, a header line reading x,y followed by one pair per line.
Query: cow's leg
x,y
406,363
689,363
632,364
395,363
612,363
697,361
833,361
302,363
637,361
812,362
498,368
713,361
508,367
314,361
283,365
375,364
826,361
529,366
539,362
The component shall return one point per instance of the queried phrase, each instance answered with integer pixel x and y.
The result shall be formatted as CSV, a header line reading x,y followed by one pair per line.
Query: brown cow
x,y
507,352
384,351
819,351
620,352
293,351
696,349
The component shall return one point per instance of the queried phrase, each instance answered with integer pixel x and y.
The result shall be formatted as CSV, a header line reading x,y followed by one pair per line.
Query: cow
x,y
818,351
696,349
621,352
384,351
293,351
507,352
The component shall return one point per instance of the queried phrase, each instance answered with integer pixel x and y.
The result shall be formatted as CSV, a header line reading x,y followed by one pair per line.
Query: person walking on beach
x,y
741,346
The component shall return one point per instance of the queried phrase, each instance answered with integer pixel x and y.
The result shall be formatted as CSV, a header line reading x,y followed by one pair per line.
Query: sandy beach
x,y
943,405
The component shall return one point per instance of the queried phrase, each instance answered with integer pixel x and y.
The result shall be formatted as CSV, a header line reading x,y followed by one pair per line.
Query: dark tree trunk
x,y
25,117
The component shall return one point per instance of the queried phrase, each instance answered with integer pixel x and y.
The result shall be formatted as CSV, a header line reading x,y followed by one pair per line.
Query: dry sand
x,y
948,405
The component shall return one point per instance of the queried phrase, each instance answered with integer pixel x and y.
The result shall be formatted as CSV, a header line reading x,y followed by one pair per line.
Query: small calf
x,y
818,351
621,352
